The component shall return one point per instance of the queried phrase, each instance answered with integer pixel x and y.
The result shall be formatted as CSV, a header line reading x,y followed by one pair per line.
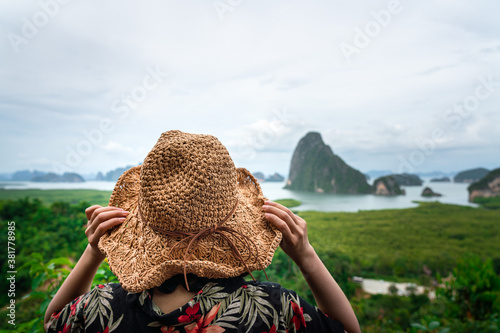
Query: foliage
x,y
74,196
483,182
400,242
473,290
467,301
54,231
433,326
46,279
389,243
488,203
290,203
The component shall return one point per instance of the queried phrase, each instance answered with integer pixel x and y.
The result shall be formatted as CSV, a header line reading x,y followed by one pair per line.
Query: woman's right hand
x,y
100,219
294,229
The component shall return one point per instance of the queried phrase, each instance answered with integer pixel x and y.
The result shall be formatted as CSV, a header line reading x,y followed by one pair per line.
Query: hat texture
x,y
190,211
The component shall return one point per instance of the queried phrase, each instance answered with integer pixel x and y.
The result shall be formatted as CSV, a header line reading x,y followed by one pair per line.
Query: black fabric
x,y
196,283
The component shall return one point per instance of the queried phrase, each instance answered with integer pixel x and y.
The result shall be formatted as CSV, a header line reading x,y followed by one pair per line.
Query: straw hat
x,y
191,211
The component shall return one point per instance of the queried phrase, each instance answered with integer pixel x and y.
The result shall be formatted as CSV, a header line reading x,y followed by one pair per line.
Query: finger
x,y
280,206
300,222
101,210
104,215
89,211
280,224
95,235
283,215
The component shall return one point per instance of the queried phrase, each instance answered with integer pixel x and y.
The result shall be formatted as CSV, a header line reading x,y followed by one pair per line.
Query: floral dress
x,y
239,306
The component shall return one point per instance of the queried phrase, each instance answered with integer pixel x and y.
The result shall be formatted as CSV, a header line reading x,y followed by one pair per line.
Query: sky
x,y
406,86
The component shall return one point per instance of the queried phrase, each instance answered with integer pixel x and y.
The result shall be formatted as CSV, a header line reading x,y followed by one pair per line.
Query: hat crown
x,y
188,183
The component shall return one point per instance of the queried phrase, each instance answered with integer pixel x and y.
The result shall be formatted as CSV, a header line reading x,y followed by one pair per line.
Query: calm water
x,y
452,193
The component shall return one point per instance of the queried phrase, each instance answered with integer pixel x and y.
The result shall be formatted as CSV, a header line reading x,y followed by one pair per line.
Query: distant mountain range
x,y
113,175
43,177
313,146
372,174
276,177
470,176
67,177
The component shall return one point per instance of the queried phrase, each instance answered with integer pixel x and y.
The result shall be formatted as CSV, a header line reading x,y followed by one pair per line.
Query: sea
x,y
452,193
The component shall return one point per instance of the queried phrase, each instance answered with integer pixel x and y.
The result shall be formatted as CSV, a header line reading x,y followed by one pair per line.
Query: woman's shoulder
x,y
295,311
88,308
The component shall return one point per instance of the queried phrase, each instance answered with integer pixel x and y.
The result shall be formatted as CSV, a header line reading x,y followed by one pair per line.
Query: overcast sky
x,y
89,86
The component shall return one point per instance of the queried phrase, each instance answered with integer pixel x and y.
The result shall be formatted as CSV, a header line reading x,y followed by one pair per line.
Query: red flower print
x,y
100,286
190,314
73,306
298,316
199,292
66,328
166,329
56,315
272,330
244,286
203,324
106,330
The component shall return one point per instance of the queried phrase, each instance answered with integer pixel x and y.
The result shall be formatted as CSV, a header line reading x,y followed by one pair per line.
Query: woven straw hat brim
x,y
142,258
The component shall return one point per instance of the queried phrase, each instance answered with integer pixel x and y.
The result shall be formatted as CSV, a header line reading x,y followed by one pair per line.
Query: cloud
x,y
227,76
116,147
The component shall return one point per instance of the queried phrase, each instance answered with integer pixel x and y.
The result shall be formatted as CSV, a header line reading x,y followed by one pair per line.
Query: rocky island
x,y
487,187
441,180
406,179
259,176
113,175
470,176
428,192
387,185
276,177
315,168
67,177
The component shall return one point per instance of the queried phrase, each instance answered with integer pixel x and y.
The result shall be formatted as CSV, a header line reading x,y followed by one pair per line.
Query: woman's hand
x,y
294,229
100,219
